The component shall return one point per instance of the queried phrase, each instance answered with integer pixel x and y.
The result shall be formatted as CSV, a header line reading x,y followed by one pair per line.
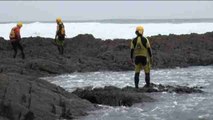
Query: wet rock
x,y
29,98
127,96
112,96
165,88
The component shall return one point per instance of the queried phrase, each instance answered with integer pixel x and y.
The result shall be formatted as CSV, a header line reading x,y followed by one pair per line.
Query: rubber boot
x,y
147,79
136,79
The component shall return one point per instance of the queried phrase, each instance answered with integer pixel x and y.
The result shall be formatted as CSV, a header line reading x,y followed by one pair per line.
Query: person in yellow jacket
x,y
141,51
60,35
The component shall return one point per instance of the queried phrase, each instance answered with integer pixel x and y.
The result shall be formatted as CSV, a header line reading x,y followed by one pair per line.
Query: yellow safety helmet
x,y
140,29
19,24
58,20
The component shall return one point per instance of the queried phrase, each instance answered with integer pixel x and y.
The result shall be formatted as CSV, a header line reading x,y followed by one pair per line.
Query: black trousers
x,y
16,45
61,47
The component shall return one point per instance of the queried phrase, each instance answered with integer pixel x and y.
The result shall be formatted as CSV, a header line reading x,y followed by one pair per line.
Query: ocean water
x,y
109,29
169,106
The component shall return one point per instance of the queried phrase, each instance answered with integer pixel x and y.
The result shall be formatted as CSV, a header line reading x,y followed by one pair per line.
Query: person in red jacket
x,y
15,39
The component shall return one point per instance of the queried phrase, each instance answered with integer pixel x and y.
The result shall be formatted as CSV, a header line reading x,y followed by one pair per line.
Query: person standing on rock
x,y
15,39
60,36
141,50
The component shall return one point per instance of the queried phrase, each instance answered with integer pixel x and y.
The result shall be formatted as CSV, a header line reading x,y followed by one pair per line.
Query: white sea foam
x,y
168,106
106,30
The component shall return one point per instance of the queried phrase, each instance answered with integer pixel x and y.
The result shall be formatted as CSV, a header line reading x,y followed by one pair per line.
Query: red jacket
x,y
15,34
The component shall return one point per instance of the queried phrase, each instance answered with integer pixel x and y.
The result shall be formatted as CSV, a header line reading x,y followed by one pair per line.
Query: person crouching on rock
x,y
141,50
60,36
15,39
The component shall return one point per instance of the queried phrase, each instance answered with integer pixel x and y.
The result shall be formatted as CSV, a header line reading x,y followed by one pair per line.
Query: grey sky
x,y
93,10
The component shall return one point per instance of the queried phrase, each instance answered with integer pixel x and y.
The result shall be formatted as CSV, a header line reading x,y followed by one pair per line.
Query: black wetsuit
x,y
61,37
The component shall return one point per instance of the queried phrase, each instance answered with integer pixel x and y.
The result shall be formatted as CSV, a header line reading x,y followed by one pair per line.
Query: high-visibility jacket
x,y
140,45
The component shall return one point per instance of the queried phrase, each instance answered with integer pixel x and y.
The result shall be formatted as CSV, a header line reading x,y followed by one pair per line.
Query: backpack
x,y
12,33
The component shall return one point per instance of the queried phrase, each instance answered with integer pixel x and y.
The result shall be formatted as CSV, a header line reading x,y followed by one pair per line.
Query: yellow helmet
x,y
19,24
140,29
58,20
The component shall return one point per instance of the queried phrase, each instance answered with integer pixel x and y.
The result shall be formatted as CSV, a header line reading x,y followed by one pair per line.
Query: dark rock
x,y
112,96
165,88
127,96
29,116
28,98
85,53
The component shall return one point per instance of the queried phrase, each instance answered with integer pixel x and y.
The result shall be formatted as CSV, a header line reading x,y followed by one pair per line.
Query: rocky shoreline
x,y
25,97
84,53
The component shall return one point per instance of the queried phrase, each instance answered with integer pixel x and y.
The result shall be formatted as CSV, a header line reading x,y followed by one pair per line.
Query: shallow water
x,y
169,106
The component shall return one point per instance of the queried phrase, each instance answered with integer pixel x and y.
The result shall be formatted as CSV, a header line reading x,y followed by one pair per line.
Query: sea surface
x,y
112,29
169,106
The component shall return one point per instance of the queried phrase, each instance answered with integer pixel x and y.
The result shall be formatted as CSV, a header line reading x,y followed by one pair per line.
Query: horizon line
x,y
128,20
